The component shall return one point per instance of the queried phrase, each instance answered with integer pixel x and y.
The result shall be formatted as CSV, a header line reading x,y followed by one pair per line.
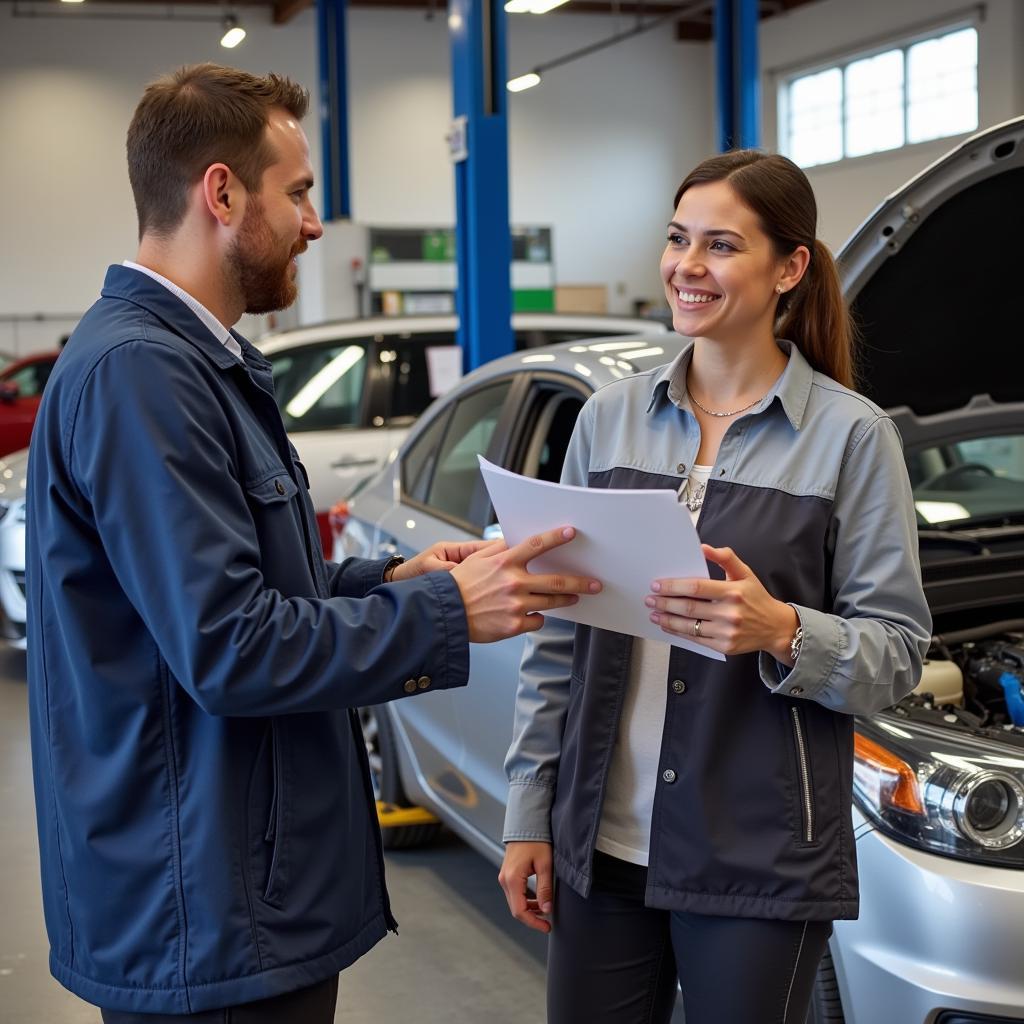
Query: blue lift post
x,y
331,32
739,81
483,241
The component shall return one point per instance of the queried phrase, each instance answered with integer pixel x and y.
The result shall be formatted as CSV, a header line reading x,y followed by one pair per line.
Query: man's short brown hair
x,y
200,115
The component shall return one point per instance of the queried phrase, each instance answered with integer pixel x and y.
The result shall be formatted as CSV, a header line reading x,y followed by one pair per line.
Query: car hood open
x,y
934,280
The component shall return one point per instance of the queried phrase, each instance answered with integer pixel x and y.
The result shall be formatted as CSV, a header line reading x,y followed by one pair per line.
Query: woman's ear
x,y
793,269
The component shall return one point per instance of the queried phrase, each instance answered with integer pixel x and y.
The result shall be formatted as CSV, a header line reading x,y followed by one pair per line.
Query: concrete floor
x,y
459,958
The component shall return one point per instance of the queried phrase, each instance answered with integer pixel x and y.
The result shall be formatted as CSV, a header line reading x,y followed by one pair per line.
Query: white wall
x,y
849,190
595,152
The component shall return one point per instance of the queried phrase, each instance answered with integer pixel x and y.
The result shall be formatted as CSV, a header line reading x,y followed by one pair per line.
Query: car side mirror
x,y
9,391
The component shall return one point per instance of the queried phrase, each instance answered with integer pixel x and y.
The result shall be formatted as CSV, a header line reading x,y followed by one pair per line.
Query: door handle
x,y
347,462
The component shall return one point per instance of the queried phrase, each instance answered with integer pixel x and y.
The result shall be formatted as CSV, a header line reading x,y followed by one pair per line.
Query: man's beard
x,y
257,266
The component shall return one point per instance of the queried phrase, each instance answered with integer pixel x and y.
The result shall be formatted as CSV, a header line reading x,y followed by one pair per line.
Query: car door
x,y
535,446
443,498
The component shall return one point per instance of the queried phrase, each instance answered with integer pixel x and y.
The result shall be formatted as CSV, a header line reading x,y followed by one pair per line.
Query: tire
x,y
419,827
826,1007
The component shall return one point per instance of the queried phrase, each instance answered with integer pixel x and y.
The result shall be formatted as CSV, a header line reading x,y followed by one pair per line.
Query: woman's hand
x,y
521,861
735,615
438,557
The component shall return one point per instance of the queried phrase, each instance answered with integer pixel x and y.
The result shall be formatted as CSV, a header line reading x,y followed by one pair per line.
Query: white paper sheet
x,y
626,539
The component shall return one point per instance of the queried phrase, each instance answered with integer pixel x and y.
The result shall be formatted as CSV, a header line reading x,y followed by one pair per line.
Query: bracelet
x,y
796,643
389,567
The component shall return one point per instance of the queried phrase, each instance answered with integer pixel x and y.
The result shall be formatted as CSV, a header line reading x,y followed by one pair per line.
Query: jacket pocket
x,y
805,788
275,490
273,835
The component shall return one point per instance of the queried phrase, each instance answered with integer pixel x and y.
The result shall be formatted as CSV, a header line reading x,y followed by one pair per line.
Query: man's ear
x,y
222,194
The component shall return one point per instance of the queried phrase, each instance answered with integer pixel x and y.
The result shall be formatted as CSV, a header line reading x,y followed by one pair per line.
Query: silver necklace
x,y
735,413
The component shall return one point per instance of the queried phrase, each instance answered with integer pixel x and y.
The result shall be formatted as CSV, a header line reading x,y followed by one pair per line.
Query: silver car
x,y
939,778
349,390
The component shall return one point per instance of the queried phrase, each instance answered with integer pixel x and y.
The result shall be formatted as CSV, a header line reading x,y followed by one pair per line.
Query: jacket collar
x,y
141,290
792,389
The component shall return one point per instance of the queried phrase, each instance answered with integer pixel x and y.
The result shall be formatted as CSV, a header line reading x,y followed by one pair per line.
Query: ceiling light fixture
x,y
233,32
527,81
532,6
70,1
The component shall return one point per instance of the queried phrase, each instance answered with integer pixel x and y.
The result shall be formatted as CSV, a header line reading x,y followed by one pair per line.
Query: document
x,y
626,539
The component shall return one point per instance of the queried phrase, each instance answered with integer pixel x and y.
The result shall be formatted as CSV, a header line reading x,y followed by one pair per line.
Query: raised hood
x,y
935,278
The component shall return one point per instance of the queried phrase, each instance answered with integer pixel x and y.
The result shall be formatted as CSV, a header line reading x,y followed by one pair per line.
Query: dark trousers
x,y
313,1005
611,960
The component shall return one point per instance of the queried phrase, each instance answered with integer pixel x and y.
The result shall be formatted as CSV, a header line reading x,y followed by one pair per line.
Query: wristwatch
x,y
796,643
389,567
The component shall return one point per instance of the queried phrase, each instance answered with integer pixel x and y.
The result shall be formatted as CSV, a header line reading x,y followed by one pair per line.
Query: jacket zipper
x,y
805,776
273,832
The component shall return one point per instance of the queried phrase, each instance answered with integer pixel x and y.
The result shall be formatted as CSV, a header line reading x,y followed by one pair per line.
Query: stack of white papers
x,y
626,539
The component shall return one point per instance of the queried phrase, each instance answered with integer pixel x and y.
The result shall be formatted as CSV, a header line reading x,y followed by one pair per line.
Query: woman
x,y
697,812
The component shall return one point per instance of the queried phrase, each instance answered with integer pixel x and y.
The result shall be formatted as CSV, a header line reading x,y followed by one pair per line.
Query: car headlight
x,y
949,793
19,511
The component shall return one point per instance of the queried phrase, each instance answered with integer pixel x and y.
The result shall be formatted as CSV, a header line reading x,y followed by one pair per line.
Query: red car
x,y
21,387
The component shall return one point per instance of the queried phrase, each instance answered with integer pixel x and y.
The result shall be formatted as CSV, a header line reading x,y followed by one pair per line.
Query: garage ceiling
x,y
695,26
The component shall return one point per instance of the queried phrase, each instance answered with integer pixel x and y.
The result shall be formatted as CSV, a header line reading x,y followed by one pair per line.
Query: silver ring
x,y
696,626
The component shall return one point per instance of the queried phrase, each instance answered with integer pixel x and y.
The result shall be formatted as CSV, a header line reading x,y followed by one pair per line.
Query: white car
x,y
12,547
350,390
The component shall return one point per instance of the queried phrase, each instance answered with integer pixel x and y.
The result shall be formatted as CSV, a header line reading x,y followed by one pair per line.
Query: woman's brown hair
x,y
814,315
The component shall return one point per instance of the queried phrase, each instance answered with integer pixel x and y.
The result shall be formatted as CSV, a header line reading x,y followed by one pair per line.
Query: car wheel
x,y
402,824
826,1007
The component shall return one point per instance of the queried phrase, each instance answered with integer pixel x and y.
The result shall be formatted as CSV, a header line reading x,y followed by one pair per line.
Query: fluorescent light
x,y
70,1
233,33
527,81
532,6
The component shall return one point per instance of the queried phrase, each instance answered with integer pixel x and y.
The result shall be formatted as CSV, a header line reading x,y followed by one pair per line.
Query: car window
x,y
421,457
456,476
970,479
31,379
406,371
320,387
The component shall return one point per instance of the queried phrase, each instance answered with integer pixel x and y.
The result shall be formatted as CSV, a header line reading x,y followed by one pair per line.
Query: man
x,y
207,825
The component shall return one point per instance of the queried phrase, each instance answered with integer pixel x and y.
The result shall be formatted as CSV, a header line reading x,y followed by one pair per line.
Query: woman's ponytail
x,y
815,317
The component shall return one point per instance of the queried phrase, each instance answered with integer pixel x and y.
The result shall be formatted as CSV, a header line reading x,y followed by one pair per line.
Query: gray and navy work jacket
x,y
207,826
752,809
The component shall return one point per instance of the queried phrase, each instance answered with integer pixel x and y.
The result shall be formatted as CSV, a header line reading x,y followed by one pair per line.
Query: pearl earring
x,y
778,288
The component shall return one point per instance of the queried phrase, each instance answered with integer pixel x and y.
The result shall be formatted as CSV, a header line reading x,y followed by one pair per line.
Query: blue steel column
x,y
483,241
331,32
738,74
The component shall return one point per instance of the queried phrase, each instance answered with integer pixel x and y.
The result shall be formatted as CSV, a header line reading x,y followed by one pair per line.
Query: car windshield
x,y
976,480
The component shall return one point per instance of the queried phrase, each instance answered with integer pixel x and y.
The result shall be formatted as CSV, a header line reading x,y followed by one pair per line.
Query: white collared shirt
x,y
216,328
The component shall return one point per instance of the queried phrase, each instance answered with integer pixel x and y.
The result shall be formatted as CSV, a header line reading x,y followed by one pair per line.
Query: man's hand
x,y
501,597
735,615
438,557
521,861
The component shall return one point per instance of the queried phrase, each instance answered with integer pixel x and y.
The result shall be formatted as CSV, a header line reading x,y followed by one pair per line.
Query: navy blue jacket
x,y
207,826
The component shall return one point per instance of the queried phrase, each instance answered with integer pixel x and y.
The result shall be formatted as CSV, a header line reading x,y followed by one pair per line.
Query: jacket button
x,y
681,468
279,487
797,690
668,775
423,682
410,686
678,686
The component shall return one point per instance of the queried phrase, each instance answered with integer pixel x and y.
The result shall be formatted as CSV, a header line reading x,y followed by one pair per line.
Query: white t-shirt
x,y
625,828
